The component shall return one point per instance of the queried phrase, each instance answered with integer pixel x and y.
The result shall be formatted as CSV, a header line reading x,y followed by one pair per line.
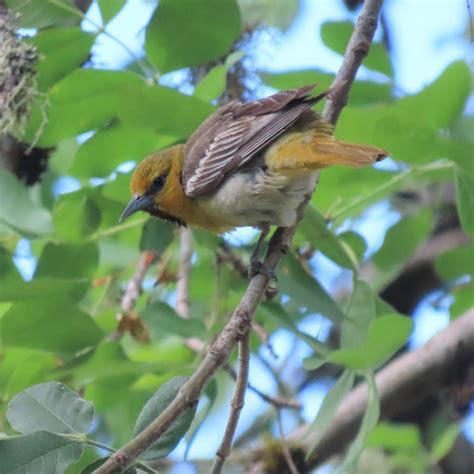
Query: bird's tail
x,y
316,148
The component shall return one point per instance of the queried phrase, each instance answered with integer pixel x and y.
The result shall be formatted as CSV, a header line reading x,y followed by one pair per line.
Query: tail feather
x,y
316,148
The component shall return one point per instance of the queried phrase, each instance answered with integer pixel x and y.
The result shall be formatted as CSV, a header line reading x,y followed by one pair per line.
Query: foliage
x,y
58,324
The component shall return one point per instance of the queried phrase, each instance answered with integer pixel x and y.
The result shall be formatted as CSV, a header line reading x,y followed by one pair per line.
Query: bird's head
x,y
150,180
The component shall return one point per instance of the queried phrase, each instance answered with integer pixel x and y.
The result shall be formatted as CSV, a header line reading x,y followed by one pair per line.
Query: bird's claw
x,y
256,266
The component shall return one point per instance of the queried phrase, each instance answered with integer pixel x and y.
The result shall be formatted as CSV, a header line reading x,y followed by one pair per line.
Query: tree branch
x,y
240,320
237,404
403,383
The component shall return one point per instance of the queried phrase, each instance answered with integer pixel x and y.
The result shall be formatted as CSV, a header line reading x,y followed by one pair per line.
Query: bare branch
x,y
182,286
403,383
237,404
240,320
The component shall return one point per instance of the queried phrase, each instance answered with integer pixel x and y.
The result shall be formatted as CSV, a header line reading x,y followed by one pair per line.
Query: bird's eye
x,y
158,183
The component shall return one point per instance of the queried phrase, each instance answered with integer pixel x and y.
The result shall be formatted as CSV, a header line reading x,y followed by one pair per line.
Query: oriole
x,y
248,164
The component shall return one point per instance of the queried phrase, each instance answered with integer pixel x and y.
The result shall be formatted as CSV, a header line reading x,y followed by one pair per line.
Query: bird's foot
x,y
256,266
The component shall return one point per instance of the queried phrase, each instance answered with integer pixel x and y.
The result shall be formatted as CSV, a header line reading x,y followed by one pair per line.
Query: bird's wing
x,y
236,133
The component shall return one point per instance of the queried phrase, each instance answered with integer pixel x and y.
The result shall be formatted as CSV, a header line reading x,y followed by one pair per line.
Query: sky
x,y
426,37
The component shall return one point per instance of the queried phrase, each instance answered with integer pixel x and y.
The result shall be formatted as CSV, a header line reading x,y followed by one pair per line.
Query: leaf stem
x,y
116,229
437,165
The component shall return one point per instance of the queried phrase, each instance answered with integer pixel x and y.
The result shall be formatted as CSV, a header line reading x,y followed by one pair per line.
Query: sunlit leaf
x,y
53,325
189,33
386,334
61,51
109,8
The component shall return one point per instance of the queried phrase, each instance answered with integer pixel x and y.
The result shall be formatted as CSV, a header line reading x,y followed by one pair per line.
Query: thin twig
x,y
277,402
241,318
469,14
284,445
182,285
133,290
198,346
236,406
265,340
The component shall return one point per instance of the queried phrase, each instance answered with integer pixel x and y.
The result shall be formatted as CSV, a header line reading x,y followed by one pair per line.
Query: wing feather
x,y
237,132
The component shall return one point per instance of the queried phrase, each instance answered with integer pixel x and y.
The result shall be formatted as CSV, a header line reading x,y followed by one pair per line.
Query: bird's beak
x,y
137,203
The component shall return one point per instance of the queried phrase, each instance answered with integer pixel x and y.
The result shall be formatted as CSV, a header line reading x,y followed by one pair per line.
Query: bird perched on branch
x,y
248,164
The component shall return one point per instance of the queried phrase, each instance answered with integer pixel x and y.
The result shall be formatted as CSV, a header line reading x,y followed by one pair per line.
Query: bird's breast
x,y
254,196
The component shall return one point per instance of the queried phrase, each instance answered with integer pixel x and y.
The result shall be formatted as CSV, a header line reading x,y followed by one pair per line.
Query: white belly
x,y
254,197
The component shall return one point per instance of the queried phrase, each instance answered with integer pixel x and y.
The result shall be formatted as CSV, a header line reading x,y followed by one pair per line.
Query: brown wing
x,y
237,132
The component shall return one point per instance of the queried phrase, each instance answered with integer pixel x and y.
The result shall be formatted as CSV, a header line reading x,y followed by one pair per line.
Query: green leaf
x,y
42,289
86,99
305,290
442,101
360,314
444,442
456,262
362,92
275,13
401,241
109,8
68,260
355,241
163,321
18,210
101,154
157,235
371,416
50,406
162,109
153,408
52,325
464,300
21,368
76,216
61,51
336,35
38,453
385,336
213,84
465,200
42,14
314,228
395,437
275,312
328,409
188,33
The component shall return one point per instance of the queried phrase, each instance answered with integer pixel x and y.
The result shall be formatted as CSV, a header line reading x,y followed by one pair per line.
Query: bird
x,y
247,164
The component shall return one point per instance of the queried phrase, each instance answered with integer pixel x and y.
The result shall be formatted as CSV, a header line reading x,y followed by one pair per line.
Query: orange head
x,y
151,183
